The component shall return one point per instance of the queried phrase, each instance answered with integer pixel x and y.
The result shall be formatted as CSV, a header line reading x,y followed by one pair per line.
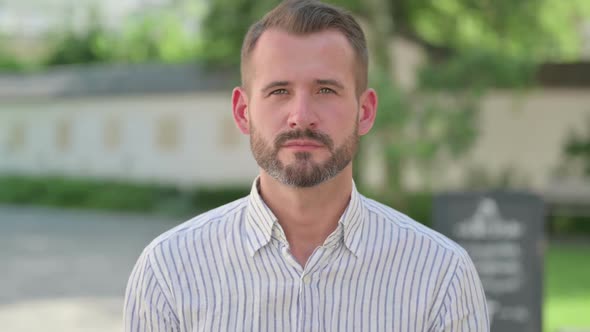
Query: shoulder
x,y
397,222
212,220
170,254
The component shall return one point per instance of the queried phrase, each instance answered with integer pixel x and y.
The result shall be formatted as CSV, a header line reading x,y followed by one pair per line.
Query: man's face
x,y
302,108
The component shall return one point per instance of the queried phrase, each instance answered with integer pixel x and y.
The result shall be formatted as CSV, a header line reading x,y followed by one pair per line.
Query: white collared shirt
x,y
230,269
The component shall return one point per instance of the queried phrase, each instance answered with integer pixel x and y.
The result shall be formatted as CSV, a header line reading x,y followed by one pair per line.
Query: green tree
x,y
160,35
70,46
413,127
537,29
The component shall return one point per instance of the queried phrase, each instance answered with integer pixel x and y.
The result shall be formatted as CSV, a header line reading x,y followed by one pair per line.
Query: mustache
x,y
301,134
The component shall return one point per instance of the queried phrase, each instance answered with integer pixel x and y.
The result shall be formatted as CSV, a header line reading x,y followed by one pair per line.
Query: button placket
x,y
303,305
290,259
308,282
318,259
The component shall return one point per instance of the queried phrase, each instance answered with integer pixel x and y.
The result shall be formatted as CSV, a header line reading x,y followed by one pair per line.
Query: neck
x,y
307,215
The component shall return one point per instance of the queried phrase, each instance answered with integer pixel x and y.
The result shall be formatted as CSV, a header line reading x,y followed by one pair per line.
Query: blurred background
x,y
115,125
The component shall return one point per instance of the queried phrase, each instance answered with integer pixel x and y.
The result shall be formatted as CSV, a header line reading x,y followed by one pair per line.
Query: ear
x,y
368,111
240,110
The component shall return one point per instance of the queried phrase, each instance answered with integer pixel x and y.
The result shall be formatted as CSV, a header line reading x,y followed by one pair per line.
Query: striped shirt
x,y
230,269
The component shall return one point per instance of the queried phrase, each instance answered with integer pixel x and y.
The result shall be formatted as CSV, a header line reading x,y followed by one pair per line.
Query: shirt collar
x,y
352,222
262,224
259,220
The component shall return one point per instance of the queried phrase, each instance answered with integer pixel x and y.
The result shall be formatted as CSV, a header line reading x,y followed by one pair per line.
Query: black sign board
x,y
503,234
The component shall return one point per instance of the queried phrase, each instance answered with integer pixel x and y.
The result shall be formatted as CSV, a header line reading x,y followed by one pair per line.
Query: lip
x,y
303,145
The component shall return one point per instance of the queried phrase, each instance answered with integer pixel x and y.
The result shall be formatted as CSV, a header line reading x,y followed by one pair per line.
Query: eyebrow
x,y
277,84
330,82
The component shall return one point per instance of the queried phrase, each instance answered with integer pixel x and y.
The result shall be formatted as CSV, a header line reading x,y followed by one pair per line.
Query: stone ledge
x,y
568,196
100,80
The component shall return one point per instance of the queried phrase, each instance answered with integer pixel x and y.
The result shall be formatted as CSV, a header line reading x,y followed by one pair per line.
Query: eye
x,y
279,92
326,90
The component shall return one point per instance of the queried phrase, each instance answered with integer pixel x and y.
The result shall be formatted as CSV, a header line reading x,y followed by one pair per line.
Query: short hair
x,y
304,17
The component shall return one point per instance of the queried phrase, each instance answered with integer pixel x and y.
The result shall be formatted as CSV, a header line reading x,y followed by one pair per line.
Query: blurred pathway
x,y
67,270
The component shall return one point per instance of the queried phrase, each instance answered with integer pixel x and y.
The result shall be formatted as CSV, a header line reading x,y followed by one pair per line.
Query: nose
x,y
302,115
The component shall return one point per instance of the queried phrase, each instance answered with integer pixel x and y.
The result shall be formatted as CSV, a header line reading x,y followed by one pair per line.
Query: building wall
x,y
520,134
184,139
528,132
190,138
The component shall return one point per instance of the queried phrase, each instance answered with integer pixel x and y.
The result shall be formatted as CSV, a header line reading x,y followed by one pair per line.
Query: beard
x,y
303,172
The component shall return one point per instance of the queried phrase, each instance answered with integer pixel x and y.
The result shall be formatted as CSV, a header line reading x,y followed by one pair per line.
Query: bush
x,y
97,194
569,226
113,195
416,205
210,198
10,62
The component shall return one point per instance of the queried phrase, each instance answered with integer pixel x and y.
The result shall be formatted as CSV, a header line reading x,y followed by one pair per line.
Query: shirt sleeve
x,y
464,306
147,308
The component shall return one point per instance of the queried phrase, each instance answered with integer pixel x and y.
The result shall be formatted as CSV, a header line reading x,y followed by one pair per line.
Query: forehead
x,y
281,55
329,38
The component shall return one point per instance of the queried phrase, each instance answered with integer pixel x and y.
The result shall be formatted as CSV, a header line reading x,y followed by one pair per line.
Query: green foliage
x,y
113,195
227,21
89,46
509,26
225,26
416,205
9,62
577,150
570,225
79,193
421,129
526,29
210,198
561,22
155,37
478,70
78,49
158,36
109,195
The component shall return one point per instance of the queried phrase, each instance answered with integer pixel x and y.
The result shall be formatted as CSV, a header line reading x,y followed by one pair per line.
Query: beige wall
x,y
528,132
523,133
189,139
182,139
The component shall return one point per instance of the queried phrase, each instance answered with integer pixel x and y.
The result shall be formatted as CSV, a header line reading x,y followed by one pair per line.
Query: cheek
x,y
267,125
342,120
344,107
263,129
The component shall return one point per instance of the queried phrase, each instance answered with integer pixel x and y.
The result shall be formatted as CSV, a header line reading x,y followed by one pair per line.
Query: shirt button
x,y
307,279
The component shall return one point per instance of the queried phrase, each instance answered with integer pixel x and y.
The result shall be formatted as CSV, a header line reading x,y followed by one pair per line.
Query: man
x,y
304,251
